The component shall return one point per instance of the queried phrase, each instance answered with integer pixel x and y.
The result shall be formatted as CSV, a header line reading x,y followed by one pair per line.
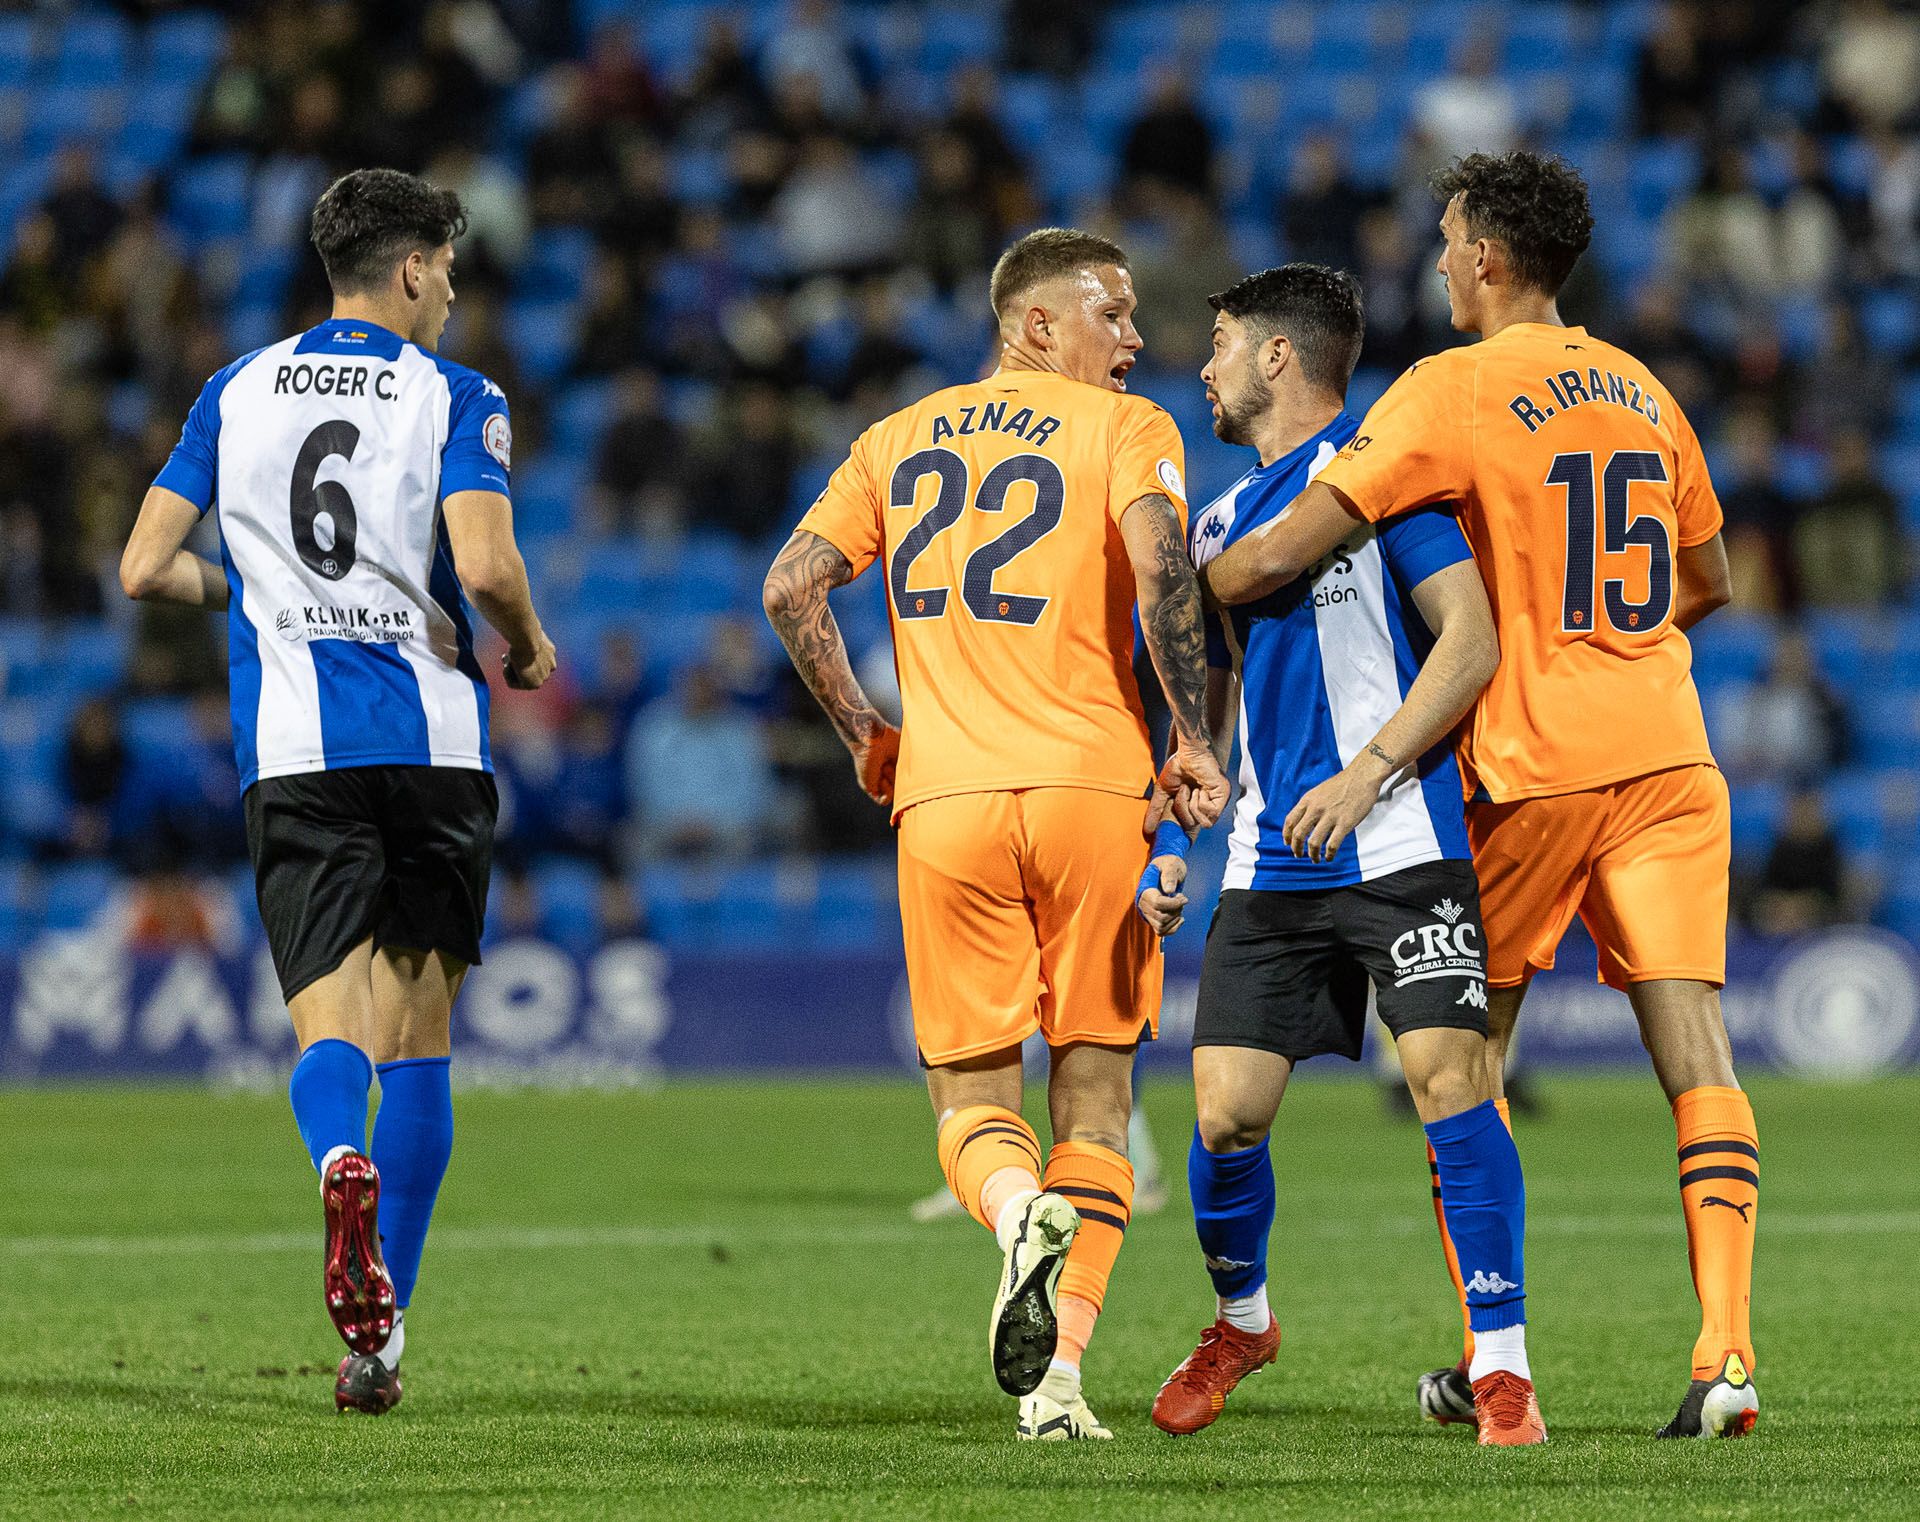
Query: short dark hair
x,y
1043,255
1536,204
367,221
1317,309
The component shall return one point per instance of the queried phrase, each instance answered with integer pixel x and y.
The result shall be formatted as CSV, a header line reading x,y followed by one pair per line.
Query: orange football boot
x,y
1508,1411
1196,1391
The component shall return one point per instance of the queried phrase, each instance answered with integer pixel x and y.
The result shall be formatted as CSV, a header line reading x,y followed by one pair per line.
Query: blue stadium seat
x,y
953,35
580,415
1660,172
184,47
20,49
75,893
1542,38
94,49
1732,646
59,116
1890,318
556,265
211,195
1031,110
543,335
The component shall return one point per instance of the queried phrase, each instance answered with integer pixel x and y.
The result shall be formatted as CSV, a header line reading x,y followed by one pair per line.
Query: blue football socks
x,y
329,1094
412,1141
1233,1203
1485,1201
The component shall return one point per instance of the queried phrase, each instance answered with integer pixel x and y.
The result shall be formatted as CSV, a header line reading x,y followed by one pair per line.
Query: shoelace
x,y
1505,1404
1205,1360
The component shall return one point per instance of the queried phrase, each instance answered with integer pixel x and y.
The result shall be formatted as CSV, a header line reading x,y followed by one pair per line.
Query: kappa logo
x,y
490,389
1475,997
1484,1283
1225,1265
1213,528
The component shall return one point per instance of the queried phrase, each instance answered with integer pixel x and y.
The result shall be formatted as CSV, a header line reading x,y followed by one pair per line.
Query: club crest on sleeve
x,y
497,435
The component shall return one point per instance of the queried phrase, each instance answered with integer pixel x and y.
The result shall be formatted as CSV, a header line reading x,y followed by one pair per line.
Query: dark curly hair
x,y
1316,308
367,221
1536,204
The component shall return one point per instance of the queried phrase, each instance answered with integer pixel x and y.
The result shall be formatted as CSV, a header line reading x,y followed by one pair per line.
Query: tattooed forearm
x,y
1170,612
795,597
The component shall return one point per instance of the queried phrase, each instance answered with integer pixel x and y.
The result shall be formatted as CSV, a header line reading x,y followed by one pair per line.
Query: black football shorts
x,y
399,853
1287,972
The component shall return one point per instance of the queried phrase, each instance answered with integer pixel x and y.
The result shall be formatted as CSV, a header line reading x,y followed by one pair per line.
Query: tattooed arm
x,y
795,597
1170,618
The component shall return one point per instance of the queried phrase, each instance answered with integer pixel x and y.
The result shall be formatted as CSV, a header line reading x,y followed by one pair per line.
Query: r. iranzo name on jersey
x,y
328,456
1325,661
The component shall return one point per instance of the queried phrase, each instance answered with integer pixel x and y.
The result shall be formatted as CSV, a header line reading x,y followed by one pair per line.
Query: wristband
x,y
1169,840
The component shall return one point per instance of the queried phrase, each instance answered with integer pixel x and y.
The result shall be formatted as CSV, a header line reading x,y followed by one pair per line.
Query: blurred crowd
x,y
764,249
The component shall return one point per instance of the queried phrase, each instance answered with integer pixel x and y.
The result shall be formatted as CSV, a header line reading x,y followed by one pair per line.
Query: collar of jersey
x,y
1541,327
340,335
1307,448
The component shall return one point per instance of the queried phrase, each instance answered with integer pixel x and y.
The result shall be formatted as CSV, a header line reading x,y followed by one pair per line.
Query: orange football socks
x,y
988,1155
1720,1196
1446,1238
1099,1183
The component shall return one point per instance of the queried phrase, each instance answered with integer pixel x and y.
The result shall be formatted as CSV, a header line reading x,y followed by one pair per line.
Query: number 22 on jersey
x,y
985,601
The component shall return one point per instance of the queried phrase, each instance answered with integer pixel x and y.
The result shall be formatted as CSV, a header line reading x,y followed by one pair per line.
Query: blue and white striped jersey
x,y
1324,662
350,642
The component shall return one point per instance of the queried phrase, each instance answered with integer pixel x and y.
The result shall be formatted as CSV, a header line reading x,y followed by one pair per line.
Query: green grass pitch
x,y
707,1302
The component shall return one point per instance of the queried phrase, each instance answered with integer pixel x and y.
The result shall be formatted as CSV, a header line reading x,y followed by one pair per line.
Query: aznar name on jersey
x,y
1324,662
328,456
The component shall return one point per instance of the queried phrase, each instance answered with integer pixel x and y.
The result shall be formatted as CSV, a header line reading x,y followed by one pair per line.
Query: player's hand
x,y
874,760
1328,814
1164,907
526,670
1196,789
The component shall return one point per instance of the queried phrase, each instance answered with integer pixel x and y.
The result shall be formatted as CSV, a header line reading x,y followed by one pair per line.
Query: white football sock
x,y
1504,1349
1062,1382
396,1344
1007,1227
333,1156
1248,1313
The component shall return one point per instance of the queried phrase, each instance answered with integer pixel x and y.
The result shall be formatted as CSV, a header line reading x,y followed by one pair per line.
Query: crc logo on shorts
x,y
497,434
1449,948
360,626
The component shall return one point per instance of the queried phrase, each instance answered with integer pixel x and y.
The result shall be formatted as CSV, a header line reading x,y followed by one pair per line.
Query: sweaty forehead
x,y
1097,284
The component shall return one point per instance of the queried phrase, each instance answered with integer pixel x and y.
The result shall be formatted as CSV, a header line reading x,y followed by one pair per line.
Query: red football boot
x,y
1509,1412
359,1290
1195,1392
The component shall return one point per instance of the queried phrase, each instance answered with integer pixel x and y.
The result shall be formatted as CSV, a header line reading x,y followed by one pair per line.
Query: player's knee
x,y
1228,1127
1448,1089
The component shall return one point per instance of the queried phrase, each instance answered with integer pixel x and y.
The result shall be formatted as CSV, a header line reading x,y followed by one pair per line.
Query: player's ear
x,y
1038,328
411,269
1279,350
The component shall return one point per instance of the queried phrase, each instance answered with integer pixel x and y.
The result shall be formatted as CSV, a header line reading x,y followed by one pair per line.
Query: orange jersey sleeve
x,y
849,512
1696,504
1148,458
1415,446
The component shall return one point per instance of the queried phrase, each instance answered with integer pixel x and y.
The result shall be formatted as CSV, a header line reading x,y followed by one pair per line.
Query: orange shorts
x,y
1644,862
1018,914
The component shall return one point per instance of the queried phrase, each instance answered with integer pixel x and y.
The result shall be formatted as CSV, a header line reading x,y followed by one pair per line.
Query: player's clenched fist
x,y
1195,786
875,759
1161,903
528,669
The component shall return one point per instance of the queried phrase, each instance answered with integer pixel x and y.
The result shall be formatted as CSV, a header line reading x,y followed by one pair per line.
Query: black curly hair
x,y
367,221
1317,308
1536,204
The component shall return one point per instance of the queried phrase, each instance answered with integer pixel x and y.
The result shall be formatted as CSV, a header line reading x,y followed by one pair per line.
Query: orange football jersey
x,y
994,510
1578,480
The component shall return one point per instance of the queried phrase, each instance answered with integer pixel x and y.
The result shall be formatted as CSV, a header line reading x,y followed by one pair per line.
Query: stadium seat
x,y
543,335
58,116
185,45
19,49
94,49
210,196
